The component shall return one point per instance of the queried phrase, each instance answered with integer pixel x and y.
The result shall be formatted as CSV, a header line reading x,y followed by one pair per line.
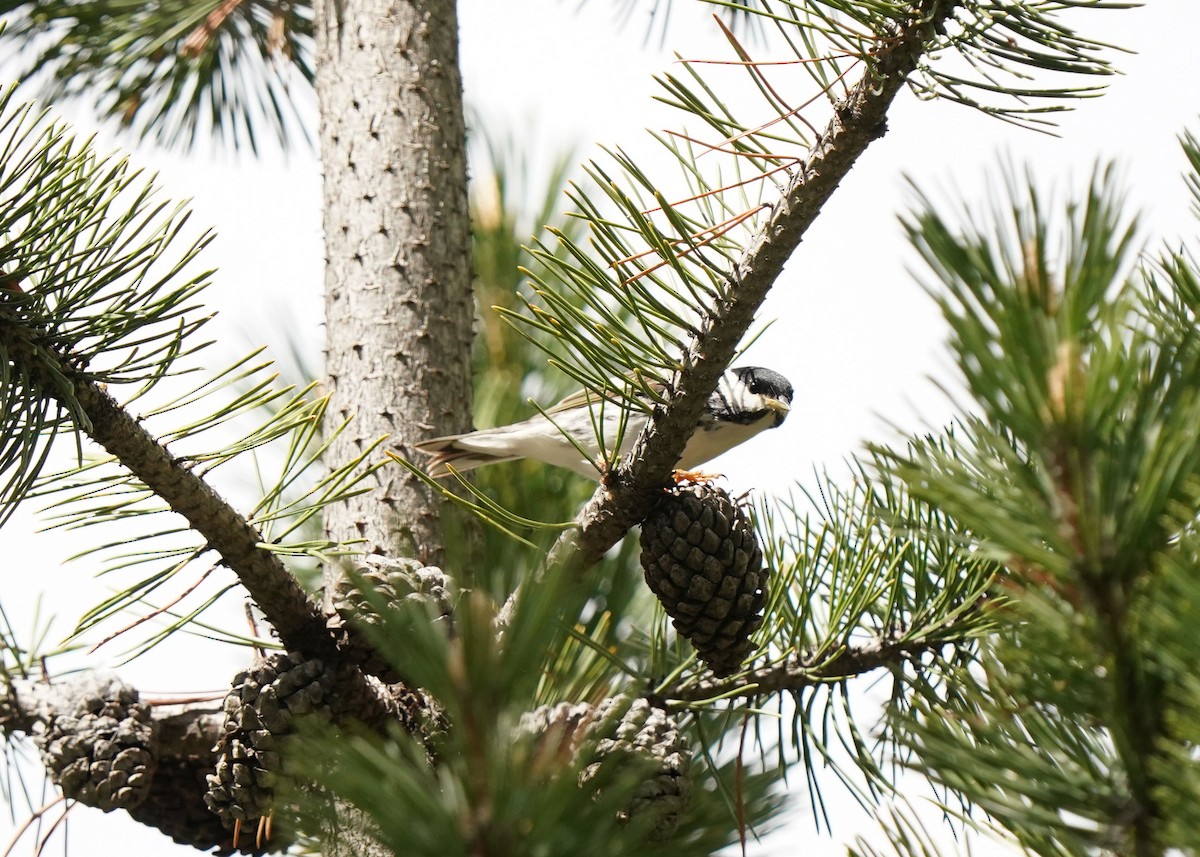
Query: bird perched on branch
x,y
747,400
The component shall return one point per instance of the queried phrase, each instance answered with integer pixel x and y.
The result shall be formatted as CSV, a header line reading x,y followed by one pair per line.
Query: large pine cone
x,y
643,731
260,711
103,752
701,558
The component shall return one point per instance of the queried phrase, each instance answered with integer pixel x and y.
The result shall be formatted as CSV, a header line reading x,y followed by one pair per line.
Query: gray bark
x,y
398,304
397,242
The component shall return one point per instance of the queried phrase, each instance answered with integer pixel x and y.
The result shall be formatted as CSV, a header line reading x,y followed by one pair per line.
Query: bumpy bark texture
x,y
398,307
397,239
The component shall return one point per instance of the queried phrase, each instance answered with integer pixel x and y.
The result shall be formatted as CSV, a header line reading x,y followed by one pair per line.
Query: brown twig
x,y
214,696
694,242
788,162
54,825
29,822
156,612
199,38
756,72
788,114
768,63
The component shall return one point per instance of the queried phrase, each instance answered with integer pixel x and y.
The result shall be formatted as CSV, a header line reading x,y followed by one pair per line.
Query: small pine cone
x,y
260,710
701,558
103,751
649,733
176,807
560,728
395,580
643,731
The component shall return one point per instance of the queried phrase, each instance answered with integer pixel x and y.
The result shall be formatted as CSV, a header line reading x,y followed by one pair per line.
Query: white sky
x,y
855,335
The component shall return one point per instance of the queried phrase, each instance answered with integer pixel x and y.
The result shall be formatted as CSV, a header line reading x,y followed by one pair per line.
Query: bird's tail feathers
x,y
443,451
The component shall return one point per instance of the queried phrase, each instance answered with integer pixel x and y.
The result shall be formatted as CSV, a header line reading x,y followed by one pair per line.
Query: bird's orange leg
x,y
696,477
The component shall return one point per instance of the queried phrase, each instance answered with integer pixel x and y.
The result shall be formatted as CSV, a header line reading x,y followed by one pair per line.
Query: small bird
x,y
747,400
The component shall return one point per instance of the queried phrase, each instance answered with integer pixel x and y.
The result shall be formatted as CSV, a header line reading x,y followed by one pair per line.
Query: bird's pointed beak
x,y
780,408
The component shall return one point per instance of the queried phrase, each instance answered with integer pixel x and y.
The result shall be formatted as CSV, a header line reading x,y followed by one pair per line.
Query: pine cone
x,y
395,580
103,752
701,558
650,733
643,731
176,807
560,729
260,710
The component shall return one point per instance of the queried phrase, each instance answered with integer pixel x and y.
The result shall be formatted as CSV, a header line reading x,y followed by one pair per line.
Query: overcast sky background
x,y
856,335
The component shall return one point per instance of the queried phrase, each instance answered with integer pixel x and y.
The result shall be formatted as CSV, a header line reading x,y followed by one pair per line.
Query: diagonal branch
x,y
629,492
296,618
286,605
808,670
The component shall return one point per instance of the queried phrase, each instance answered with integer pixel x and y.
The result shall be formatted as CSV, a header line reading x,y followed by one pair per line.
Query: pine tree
x,y
464,679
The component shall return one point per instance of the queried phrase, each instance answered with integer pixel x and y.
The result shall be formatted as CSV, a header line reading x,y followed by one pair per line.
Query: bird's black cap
x,y
766,382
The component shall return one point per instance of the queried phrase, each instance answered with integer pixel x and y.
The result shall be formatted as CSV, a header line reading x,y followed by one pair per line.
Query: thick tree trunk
x,y
398,307
397,244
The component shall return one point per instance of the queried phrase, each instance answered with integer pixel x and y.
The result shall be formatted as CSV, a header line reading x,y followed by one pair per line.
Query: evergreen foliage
x,y
1024,580
179,71
1079,475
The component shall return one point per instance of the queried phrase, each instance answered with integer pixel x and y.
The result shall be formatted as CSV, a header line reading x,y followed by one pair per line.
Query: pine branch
x,y
1080,475
811,669
185,728
106,747
629,491
93,294
237,71
296,618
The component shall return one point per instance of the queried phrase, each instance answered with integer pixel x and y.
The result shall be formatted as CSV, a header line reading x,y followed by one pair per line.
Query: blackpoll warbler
x,y
747,400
